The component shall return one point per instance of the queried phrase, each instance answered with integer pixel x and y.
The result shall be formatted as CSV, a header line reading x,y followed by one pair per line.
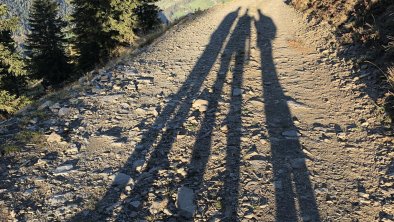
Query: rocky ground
x,y
243,113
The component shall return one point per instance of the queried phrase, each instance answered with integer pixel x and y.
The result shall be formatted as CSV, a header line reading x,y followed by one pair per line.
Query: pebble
x,y
291,133
63,169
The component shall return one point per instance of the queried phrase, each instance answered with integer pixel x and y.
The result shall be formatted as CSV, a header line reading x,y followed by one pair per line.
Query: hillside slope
x,y
174,9
21,8
238,114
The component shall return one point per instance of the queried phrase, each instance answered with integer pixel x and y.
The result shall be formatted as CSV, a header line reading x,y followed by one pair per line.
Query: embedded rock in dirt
x,y
185,203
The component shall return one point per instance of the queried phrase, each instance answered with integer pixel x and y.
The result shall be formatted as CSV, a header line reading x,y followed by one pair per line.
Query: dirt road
x,y
237,117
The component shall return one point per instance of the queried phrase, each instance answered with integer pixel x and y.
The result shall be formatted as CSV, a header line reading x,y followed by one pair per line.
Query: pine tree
x,y
92,41
46,43
12,67
122,20
148,15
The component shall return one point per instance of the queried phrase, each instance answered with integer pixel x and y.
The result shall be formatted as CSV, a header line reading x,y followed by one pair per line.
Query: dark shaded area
x,y
291,183
236,47
114,132
172,117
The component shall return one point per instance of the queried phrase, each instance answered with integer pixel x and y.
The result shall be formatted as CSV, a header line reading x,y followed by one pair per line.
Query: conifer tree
x,y
123,20
148,15
46,43
92,41
12,67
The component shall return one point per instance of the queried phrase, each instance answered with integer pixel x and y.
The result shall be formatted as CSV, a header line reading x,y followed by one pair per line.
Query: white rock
x,y
122,179
72,151
63,169
138,165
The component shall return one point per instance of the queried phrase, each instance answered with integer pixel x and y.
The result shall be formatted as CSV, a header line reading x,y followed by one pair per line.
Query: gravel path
x,y
235,115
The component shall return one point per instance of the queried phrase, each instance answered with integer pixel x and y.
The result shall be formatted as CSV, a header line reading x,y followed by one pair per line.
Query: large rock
x,y
185,203
201,105
122,179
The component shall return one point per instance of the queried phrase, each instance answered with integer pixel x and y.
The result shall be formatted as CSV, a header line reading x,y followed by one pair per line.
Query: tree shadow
x,y
294,195
157,141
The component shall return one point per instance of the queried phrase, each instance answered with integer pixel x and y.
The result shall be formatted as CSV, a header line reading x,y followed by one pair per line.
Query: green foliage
x,y
21,9
46,43
11,103
29,137
93,39
148,15
12,67
122,20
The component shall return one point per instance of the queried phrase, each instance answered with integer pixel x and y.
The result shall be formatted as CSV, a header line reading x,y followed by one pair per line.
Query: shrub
x,y
9,104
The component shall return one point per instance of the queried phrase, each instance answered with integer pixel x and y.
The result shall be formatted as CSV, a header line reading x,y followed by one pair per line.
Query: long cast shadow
x,y
172,117
291,175
230,192
235,48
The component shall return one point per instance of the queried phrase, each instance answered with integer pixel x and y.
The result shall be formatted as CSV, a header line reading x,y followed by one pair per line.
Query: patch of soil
x,y
365,34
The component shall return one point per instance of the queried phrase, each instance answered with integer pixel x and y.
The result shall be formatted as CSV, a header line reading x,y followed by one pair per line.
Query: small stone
x,y
64,112
122,179
63,169
291,133
201,105
72,151
224,128
45,105
185,202
128,189
158,206
54,138
40,162
116,87
138,165
237,92
181,171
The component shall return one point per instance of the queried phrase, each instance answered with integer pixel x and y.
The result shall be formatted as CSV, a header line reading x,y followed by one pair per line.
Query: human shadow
x,y
234,50
157,141
291,176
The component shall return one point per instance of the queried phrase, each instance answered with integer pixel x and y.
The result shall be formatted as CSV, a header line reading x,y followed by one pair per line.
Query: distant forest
x,y
21,9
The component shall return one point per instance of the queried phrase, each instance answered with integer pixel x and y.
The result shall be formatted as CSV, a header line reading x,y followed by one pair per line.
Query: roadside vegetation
x,y
58,49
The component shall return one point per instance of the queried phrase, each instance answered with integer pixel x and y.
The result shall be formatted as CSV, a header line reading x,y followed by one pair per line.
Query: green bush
x,y
10,103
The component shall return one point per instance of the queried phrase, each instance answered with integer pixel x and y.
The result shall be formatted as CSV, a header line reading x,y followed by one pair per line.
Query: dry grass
x,y
390,76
